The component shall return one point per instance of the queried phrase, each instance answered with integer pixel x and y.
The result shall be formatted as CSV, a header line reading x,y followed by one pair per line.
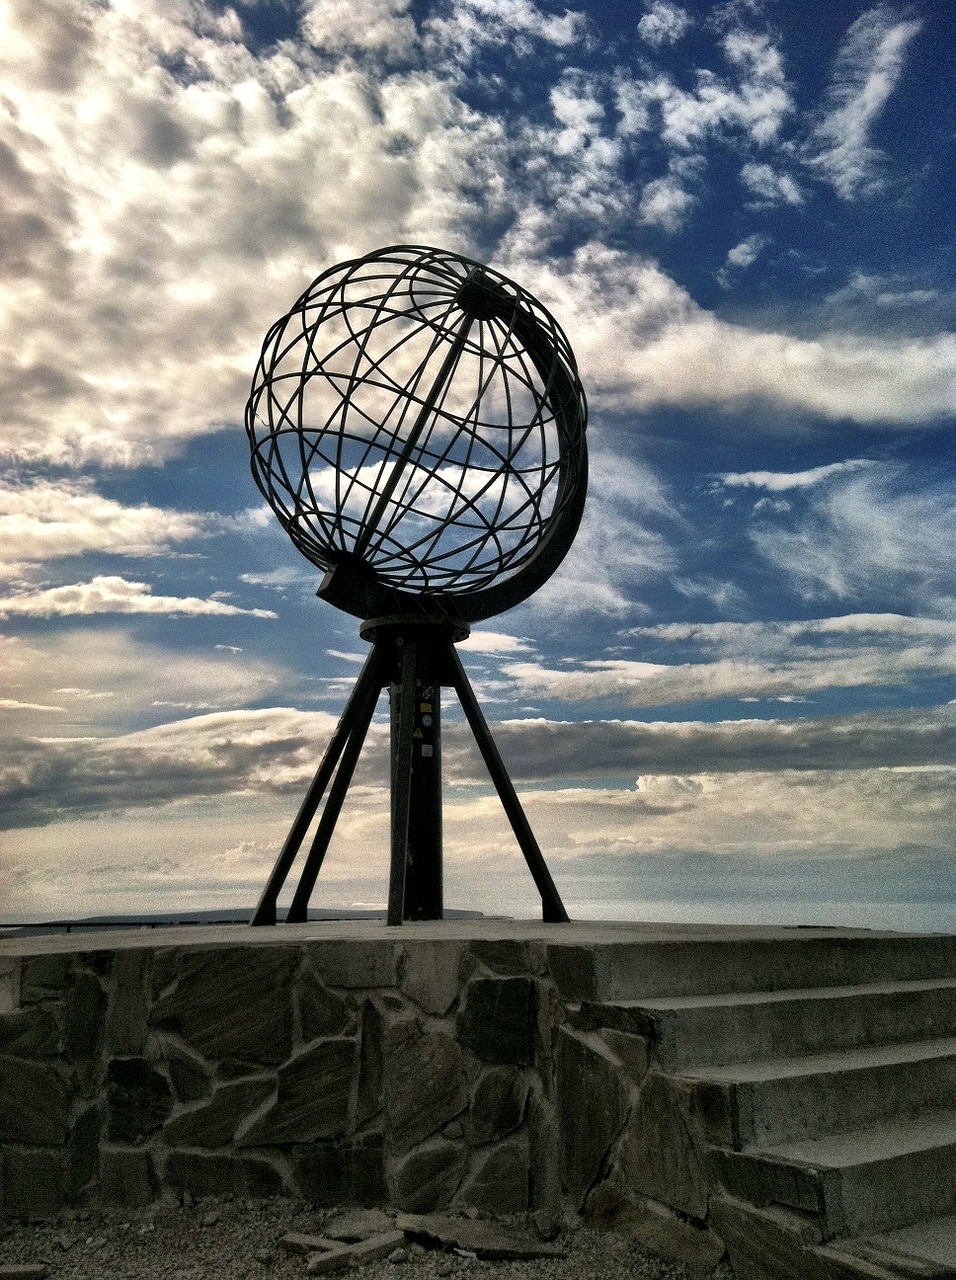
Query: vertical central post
x,y
415,654
415,698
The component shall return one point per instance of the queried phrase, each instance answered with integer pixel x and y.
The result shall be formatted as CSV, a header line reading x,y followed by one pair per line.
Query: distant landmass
x,y
167,919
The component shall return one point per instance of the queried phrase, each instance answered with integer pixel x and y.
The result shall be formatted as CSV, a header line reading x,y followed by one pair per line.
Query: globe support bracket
x,y
414,659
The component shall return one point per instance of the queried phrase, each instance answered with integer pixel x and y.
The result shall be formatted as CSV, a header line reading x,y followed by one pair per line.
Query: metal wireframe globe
x,y
417,425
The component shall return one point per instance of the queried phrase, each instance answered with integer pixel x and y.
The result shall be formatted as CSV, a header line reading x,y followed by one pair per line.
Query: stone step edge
x,y
731,999
755,1235
858,1058
767,1177
887,1140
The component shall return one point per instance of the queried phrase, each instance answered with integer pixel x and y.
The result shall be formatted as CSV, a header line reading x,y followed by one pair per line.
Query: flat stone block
x,y
188,1073
767,1243
321,1012
84,1013
592,1103
573,970
313,1101
33,1103
233,1003
29,1033
83,1149
424,1083
127,1177
428,1177
660,1158
351,1173
43,977
497,1104
215,1123
497,1023
23,1270
336,1259
33,1183
499,1179
430,974
374,1247
509,957
216,1175
355,964
301,1242
126,1014
9,984
484,1239
656,1227
138,1100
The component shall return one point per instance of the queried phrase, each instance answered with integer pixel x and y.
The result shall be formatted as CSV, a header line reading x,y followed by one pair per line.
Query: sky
x,y
734,701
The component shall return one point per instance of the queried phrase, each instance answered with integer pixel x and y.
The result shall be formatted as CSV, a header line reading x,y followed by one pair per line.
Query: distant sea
x,y
905,917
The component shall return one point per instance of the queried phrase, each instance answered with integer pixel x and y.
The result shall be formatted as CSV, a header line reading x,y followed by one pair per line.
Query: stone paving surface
x,y
218,1239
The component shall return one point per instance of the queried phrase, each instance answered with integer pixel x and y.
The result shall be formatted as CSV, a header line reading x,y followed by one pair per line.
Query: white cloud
x,y
378,26
518,23
664,23
869,530
161,222
755,660
111,594
276,750
482,641
768,186
665,202
868,68
756,105
49,519
641,341
622,542
746,252
113,679
778,481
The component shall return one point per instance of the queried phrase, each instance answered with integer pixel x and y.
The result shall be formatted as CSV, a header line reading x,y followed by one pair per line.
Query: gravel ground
x,y
237,1240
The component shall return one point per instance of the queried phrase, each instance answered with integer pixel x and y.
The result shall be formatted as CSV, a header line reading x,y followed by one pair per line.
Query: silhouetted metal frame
x,y
396,663
470,310
503,553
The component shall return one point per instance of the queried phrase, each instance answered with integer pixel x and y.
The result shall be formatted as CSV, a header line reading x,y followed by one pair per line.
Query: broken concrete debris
x,y
355,1239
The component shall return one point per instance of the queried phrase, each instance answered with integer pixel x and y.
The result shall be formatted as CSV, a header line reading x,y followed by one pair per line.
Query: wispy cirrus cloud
x,y
780,481
869,529
751,661
868,67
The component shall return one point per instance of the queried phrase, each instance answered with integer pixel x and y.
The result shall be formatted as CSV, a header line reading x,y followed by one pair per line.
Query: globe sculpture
x,y
417,425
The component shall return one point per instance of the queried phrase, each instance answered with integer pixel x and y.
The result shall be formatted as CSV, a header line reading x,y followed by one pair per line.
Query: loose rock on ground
x,y
241,1240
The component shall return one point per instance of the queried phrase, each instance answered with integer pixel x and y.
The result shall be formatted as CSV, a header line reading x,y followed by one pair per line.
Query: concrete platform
x,y
787,1092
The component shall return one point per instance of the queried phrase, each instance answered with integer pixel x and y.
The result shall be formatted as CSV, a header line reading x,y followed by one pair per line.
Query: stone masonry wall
x,y
421,1074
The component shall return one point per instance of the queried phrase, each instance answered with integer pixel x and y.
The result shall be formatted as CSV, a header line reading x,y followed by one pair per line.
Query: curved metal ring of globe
x,y
418,426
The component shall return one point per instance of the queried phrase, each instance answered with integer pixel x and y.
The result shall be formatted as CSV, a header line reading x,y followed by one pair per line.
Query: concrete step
x,y
745,1025
933,1240
876,1179
728,961
774,1243
746,1104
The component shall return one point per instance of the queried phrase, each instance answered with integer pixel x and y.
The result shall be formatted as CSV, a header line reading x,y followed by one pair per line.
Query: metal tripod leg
x,y
360,707
299,907
552,908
